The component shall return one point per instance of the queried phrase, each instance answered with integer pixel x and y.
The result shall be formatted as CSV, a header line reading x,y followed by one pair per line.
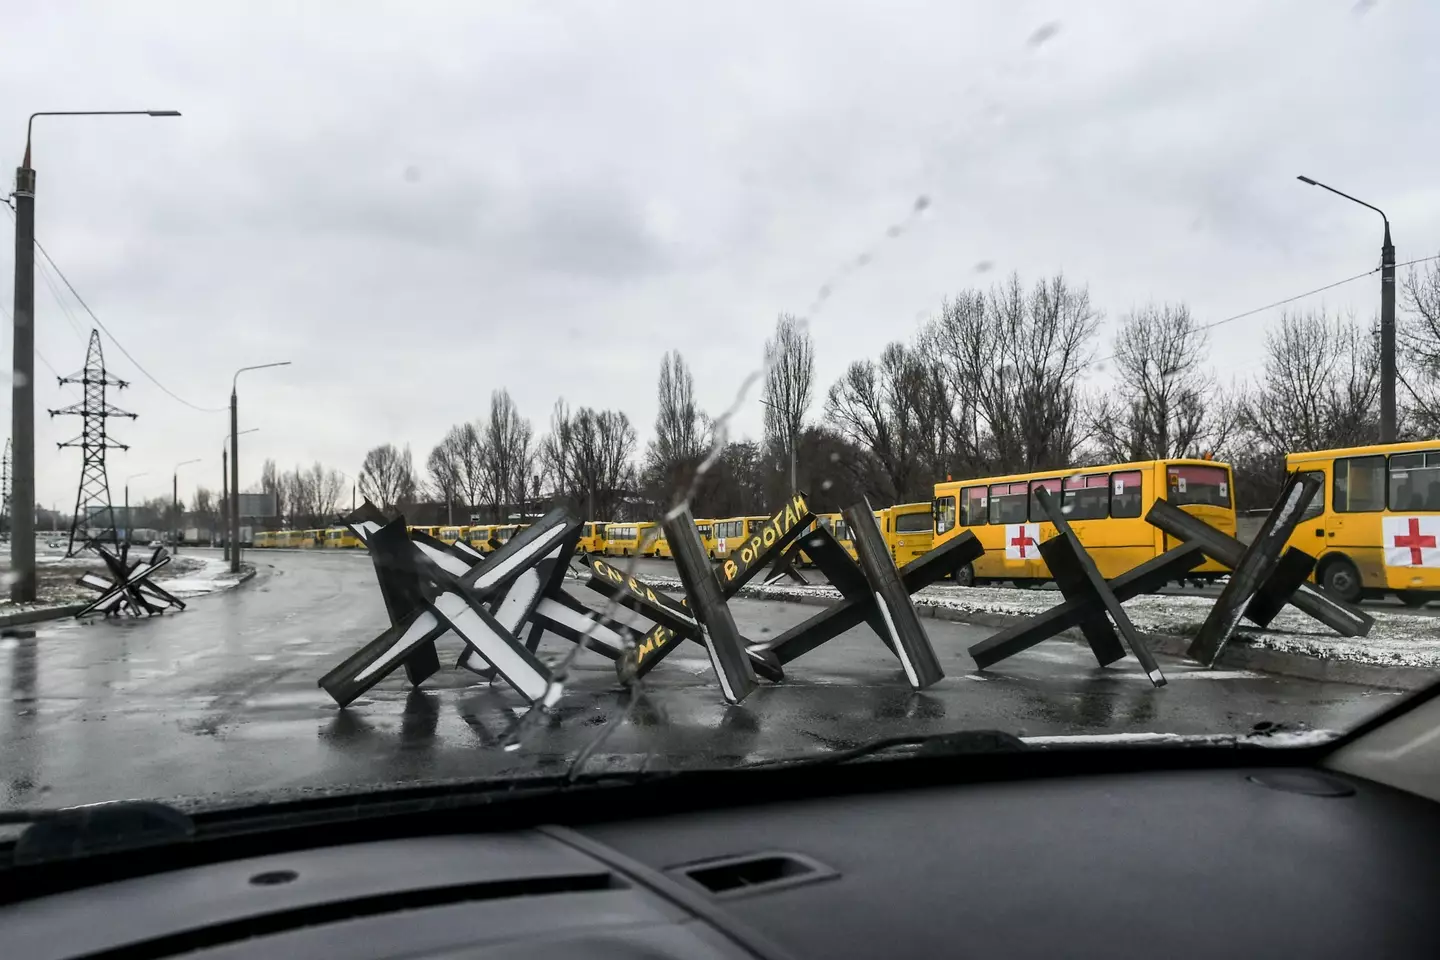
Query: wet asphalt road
x,y
222,700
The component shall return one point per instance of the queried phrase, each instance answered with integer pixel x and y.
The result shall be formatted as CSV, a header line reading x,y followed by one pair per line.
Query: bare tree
x,y
885,407
472,464
789,382
1013,360
680,437
272,481
508,455
1320,388
446,467
387,477
1419,341
1161,405
587,456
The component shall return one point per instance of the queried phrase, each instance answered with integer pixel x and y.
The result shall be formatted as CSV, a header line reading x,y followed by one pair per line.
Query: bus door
x,y
1310,534
975,517
1353,523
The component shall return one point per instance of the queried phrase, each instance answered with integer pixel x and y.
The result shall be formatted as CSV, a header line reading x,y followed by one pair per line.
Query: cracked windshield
x,y
480,393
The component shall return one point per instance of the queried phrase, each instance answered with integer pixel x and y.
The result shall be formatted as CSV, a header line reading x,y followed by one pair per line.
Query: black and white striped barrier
x,y
433,589
129,588
901,625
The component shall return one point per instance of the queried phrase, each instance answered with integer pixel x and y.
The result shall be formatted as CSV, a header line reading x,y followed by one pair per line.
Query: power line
x,y
113,339
6,314
1281,303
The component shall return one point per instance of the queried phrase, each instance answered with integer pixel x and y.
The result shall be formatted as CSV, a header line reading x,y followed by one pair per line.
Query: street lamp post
x,y
235,461
224,493
175,503
22,383
130,523
1387,317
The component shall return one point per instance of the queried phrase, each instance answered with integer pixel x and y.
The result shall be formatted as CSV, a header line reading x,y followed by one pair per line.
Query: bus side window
x,y
1415,481
944,510
1037,512
1008,502
1317,503
1359,485
972,507
1125,499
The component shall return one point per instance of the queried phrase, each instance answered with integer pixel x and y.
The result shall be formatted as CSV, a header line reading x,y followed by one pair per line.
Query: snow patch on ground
x,y
1397,639
211,575
1278,738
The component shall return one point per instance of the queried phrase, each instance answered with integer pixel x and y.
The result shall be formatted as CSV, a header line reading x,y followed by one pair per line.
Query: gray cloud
x,y
419,207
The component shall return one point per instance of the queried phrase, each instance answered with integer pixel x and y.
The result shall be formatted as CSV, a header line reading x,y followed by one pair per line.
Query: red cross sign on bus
x,y
1412,541
1022,541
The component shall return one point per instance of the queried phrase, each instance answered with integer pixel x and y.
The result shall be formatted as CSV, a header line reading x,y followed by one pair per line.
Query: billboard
x,y
257,505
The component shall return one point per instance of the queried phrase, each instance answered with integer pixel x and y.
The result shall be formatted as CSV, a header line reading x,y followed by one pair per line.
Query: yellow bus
x,y
341,538
262,539
1107,507
287,538
629,539
309,538
592,537
503,532
909,530
431,530
1375,525
706,529
480,536
731,534
707,536
451,534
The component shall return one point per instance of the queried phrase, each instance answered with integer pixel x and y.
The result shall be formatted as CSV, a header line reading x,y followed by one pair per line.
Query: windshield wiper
x,y
953,744
70,832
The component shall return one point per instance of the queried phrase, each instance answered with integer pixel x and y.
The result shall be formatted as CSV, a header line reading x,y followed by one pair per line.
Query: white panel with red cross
x,y
1411,541
1022,541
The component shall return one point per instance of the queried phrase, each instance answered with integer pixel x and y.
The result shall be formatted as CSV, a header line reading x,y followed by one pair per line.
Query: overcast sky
x,y
421,202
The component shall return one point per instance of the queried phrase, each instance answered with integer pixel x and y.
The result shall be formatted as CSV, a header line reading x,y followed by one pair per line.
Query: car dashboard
x,y
1255,861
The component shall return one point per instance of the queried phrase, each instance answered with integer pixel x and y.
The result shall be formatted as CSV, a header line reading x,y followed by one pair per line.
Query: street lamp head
x,y
1307,180
163,113
258,366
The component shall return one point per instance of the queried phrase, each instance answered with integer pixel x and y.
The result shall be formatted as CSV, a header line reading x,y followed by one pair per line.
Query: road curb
x,y
41,614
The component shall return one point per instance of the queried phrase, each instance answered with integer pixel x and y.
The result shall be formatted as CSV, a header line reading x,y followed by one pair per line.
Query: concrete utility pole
x,y
1387,317
179,520
22,383
224,485
235,461
130,524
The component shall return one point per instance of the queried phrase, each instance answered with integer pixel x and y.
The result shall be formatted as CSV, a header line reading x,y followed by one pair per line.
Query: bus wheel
x,y
1416,598
965,576
1340,579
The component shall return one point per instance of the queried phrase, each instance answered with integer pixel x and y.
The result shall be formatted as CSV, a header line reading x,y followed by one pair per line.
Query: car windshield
x,y
489,392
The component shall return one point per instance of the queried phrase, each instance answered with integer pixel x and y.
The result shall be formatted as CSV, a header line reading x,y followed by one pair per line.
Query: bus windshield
x,y
1201,485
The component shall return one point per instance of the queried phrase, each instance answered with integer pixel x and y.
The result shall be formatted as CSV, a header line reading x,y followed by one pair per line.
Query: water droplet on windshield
x,y
1043,34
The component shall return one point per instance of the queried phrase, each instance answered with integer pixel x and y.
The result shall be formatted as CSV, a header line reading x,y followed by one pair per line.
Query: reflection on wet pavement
x,y
221,700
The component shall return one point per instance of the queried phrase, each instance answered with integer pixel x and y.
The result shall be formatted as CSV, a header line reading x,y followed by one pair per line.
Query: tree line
x,y
993,383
